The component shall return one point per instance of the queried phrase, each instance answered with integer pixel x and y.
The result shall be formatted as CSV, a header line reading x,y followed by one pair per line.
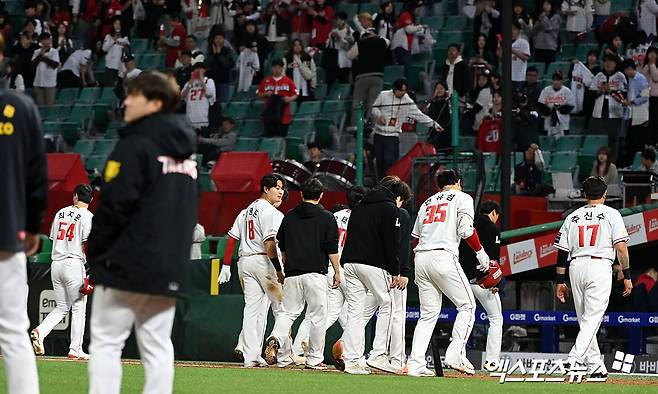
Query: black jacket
x,y
23,170
374,232
142,230
372,57
307,235
461,80
489,235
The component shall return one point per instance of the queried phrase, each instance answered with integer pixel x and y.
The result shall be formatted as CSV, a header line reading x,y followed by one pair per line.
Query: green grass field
x,y
63,376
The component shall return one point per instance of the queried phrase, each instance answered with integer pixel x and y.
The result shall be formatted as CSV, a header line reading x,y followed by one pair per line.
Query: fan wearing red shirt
x,y
175,42
300,22
278,91
105,11
323,20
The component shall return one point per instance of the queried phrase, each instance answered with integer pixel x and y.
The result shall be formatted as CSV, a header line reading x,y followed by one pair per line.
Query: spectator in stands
x,y
556,103
213,145
532,86
114,45
438,108
604,168
525,121
610,87
647,17
14,79
62,42
589,97
456,73
128,72
73,72
184,72
46,62
648,160
528,174
650,72
250,36
615,48
385,24
545,34
619,303
520,56
150,26
489,134
248,66
29,28
389,111
496,82
315,156
30,14
645,291
196,55
520,15
362,22
488,21
220,65
278,91
601,12
638,135
480,99
199,94
174,41
23,51
107,11
369,57
406,37
300,67
276,19
334,57
5,29
322,15
300,23
482,56
579,15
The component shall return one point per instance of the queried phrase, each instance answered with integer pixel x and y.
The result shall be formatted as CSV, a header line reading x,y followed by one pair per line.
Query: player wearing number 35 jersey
x,y
443,221
69,231
589,237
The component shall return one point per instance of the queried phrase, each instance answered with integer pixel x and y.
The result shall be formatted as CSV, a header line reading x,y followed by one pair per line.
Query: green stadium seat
x,y
577,125
449,37
334,107
95,162
67,96
439,55
467,142
564,161
340,91
433,22
293,150
583,49
391,73
546,142
46,244
637,160
469,177
80,114
299,127
370,8
88,95
245,96
350,9
139,45
104,147
206,182
592,143
309,109
273,146
490,161
567,51
250,128
569,143
237,110
563,66
247,144
84,147
455,23
324,132
256,110
622,5
152,62
108,97
320,91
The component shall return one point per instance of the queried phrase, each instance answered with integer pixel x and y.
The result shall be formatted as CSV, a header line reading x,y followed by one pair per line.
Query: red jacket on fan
x,y
322,25
300,21
105,12
489,135
173,52
282,86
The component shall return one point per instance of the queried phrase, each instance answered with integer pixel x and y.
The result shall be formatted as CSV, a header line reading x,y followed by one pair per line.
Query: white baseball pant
x,y
15,346
336,311
67,276
309,289
396,344
260,286
262,323
491,304
438,272
114,313
361,278
590,286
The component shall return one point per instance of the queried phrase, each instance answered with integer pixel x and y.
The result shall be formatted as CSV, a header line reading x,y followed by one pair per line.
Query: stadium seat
x,y
577,125
320,91
433,22
637,160
152,62
256,110
273,146
299,127
350,9
449,37
247,144
331,108
84,147
237,110
340,91
546,142
250,128
245,96
108,97
563,66
293,151
583,49
455,23
391,73
104,147
139,45
490,161
66,96
467,142
324,132
95,162
564,161
569,143
88,95
592,143
309,109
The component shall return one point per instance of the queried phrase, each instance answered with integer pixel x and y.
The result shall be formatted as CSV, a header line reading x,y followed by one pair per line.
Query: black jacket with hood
x,y
374,232
308,235
489,235
142,230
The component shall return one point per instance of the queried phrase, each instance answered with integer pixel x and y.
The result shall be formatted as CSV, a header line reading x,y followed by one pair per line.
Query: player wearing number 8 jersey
x,y
443,221
590,237
69,232
259,268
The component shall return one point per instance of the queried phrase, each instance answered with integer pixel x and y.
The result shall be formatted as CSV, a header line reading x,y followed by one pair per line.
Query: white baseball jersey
x,y
198,101
342,218
439,219
592,230
69,230
255,224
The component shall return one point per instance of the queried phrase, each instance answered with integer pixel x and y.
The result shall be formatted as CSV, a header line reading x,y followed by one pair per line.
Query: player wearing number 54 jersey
x,y
443,221
69,232
590,237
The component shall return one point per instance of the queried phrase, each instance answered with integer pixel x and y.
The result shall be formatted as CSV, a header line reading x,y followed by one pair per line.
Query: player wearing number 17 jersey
x,y
590,236
69,232
443,221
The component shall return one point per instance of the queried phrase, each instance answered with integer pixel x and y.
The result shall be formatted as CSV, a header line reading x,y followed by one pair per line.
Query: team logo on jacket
x,y
173,166
112,169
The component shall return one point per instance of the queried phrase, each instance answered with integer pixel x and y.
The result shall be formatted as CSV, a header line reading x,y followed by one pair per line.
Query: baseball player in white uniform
x,y
69,231
443,221
259,268
587,243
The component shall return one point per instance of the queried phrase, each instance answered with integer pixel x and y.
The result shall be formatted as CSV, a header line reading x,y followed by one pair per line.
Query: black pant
x,y
387,152
653,118
545,56
66,79
342,75
275,129
637,137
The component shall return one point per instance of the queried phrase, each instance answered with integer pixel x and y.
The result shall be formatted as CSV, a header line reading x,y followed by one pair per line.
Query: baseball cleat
x,y
355,368
460,367
260,363
598,375
299,360
467,364
337,354
79,356
37,343
286,362
239,355
402,371
490,366
423,372
381,363
271,351
318,367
